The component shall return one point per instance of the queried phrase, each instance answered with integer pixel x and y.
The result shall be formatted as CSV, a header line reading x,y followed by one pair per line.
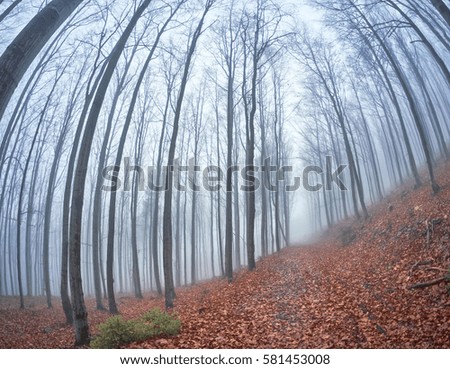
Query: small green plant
x,y
113,332
116,331
162,323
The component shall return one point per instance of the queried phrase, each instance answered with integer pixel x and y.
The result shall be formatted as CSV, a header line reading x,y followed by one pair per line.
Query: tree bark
x,y
29,42
9,9
442,9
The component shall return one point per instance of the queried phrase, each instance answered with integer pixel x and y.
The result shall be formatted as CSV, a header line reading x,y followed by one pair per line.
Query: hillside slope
x,y
325,295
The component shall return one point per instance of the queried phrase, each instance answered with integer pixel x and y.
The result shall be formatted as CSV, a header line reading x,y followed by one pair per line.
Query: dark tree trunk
x,y
229,174
393,95
112,206
19,206
97,198
21,52
442,9
169,289
237,220
79,309
9,9
412,104
48,215
425,41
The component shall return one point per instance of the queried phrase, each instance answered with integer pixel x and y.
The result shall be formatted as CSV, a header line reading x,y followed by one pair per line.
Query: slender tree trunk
x,y
412,104
112,207
29,221
167,215
19,206
80,313
194,213
442,9
219,202
134,242
155,218
229,174
89,95
178,240
424,39
393,95
237,218
9,9
48,214
97,199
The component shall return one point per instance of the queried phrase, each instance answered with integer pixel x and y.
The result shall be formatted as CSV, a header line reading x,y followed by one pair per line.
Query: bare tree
x,y
167,215
112,205
79,309
260,36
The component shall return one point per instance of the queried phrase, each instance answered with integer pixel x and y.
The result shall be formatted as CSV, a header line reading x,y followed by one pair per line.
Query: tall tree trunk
x,y
97,198
194,208
264,177
169,288
134,247
21,52
9,9
412,104
28,223
48,214
219,201
425,41
112,206
237,218
229,174
79,309
19,206
393,95
442,9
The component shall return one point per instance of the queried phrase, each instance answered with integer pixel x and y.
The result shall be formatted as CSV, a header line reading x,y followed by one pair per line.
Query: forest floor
x,y
325,295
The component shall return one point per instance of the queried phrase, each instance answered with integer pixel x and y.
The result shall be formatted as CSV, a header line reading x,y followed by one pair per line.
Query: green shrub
x,y
161,322
116,331
113,332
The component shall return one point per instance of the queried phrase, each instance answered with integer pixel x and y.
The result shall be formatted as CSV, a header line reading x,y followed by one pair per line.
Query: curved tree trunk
x,y
79,308
29,42
89,95
97,198
19,206
442,9
9,9
112,205
393,95
409,96
48,215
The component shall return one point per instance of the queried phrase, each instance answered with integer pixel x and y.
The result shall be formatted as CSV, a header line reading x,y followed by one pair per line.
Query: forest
x,y
224,173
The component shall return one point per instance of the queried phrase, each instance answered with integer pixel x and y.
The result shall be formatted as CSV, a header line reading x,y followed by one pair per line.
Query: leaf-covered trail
x,y
321,296
332,296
